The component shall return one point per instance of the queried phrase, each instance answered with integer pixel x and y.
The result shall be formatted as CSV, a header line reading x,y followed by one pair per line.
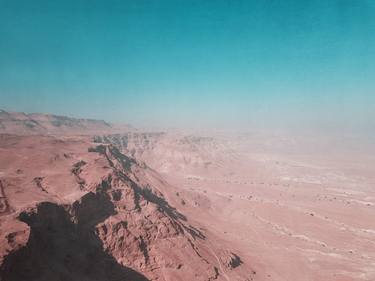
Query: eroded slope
x,y
76,210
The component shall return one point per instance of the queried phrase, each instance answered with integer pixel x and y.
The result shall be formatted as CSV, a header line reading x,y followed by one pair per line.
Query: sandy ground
x,y
293,213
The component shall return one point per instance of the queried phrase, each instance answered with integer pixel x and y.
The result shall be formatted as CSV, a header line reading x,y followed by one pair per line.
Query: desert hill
x,y
20,123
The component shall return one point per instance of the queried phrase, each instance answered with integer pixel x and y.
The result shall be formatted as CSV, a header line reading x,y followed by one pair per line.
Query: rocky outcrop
x,y
4,206
76,171
122,228
146,228
230,260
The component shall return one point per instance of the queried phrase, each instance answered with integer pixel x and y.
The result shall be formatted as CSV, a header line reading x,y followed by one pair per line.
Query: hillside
x,y
77,210
20,123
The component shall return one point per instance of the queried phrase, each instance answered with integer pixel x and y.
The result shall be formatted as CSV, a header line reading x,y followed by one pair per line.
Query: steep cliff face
x,y
121,228
171,152
146,230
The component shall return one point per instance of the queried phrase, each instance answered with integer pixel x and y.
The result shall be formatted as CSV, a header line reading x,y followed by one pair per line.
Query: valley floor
x,y
292,217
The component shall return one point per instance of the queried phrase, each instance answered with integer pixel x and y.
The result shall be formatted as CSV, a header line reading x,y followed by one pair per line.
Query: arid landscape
x,y
187,140
87,200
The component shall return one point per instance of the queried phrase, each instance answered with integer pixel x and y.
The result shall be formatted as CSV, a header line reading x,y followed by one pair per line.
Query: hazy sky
x,y
191,63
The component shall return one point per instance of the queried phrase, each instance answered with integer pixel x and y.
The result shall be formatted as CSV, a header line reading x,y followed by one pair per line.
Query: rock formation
x,y
106,218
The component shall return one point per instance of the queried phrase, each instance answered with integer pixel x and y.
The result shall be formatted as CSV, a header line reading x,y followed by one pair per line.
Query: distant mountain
x,y
20,123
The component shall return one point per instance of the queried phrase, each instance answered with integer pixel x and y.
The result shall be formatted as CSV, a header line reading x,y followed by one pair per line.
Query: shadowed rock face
x,y
64,246
230,260
4,206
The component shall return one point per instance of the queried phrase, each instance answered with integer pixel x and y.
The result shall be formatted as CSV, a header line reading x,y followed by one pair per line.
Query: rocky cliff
x,y
113,221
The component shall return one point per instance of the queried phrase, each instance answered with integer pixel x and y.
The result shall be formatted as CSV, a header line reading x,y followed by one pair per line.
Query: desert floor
x,y
294,213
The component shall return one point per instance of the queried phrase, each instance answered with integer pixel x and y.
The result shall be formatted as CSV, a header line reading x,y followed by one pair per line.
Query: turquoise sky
x,y
191,63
